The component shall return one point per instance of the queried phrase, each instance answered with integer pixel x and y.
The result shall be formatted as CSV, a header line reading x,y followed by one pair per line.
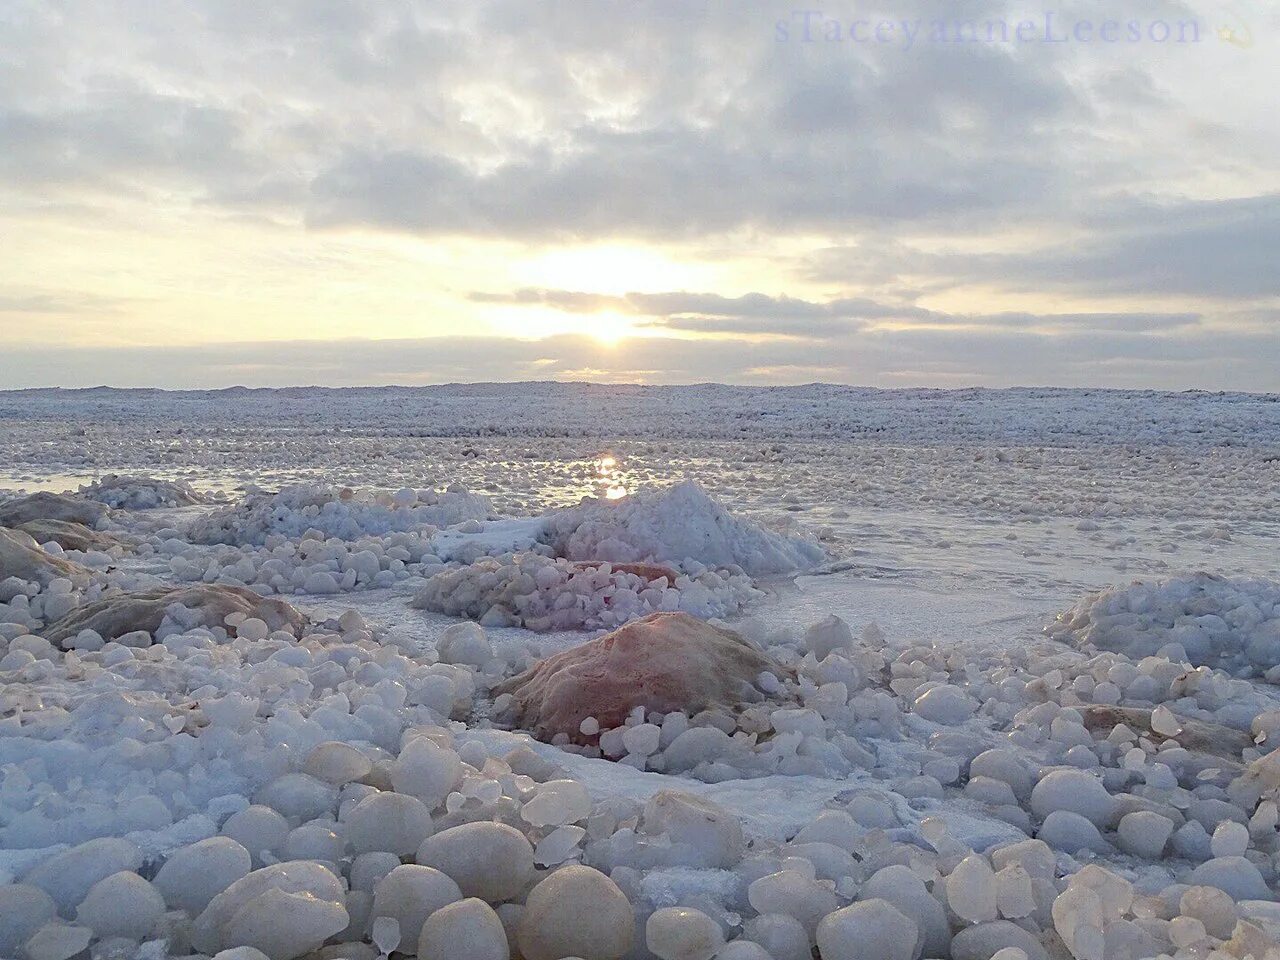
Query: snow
x,y
227,781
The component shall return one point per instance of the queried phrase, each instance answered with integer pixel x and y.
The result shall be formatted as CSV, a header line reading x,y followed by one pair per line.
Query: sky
x,y
903,193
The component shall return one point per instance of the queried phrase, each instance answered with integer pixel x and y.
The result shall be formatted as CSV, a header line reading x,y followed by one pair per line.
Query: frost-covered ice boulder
x,y
409,894
195,874
577,911
22,558
203,604
141,493
121,905
284,910
341,513
1227,622
675,524
51,506
664,662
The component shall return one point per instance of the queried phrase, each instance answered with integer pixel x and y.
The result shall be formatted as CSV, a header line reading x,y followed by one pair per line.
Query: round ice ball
x,y
387,821
681,933
336,763
409,894
121,905
867,930
257,828
491,861
427,771
195,874
466,930
67,876
576,911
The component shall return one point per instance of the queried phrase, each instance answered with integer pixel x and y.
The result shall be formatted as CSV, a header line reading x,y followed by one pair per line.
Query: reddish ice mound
x,y
664,662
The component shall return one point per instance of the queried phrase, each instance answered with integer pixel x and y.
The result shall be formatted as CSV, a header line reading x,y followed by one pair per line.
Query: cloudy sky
x,y
897,192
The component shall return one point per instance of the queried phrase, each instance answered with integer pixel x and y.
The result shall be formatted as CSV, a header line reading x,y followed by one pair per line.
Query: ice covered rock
x,y
67,876
466,930
195,874
576,912
249,912
121,905
22,559
410,893
682,933
204,604
674,524
387,821
708,836
491,861
665,662
24,909
868,930
51,506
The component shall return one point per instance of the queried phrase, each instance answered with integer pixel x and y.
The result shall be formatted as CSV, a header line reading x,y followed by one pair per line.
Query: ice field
x,y
548,671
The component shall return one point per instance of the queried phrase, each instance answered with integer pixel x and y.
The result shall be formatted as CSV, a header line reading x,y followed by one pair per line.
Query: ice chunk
x,y
465,643
249,912
491,861
576,911
121,905
24,909
681,933
1230,839
556,803
1075,791
902,888
298,795
387,821
711,835
410,893
57,941
971,890
945,704
794,894
1144,833
427,771
258,829
987,941
67,876
336,763
1234,875
466,930
195,874
869,930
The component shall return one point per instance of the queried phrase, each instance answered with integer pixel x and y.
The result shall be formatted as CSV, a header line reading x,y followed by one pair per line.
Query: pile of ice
x,y
310,564
342,513
141,493
675,524
1230,623
295,791
52,506
541,593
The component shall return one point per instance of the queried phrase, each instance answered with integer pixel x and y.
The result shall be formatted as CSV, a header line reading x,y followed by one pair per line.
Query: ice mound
x,y
541,593
70,535
141,493
664,662
344,514
51,506
673,525
1231,623
210,605
22,558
